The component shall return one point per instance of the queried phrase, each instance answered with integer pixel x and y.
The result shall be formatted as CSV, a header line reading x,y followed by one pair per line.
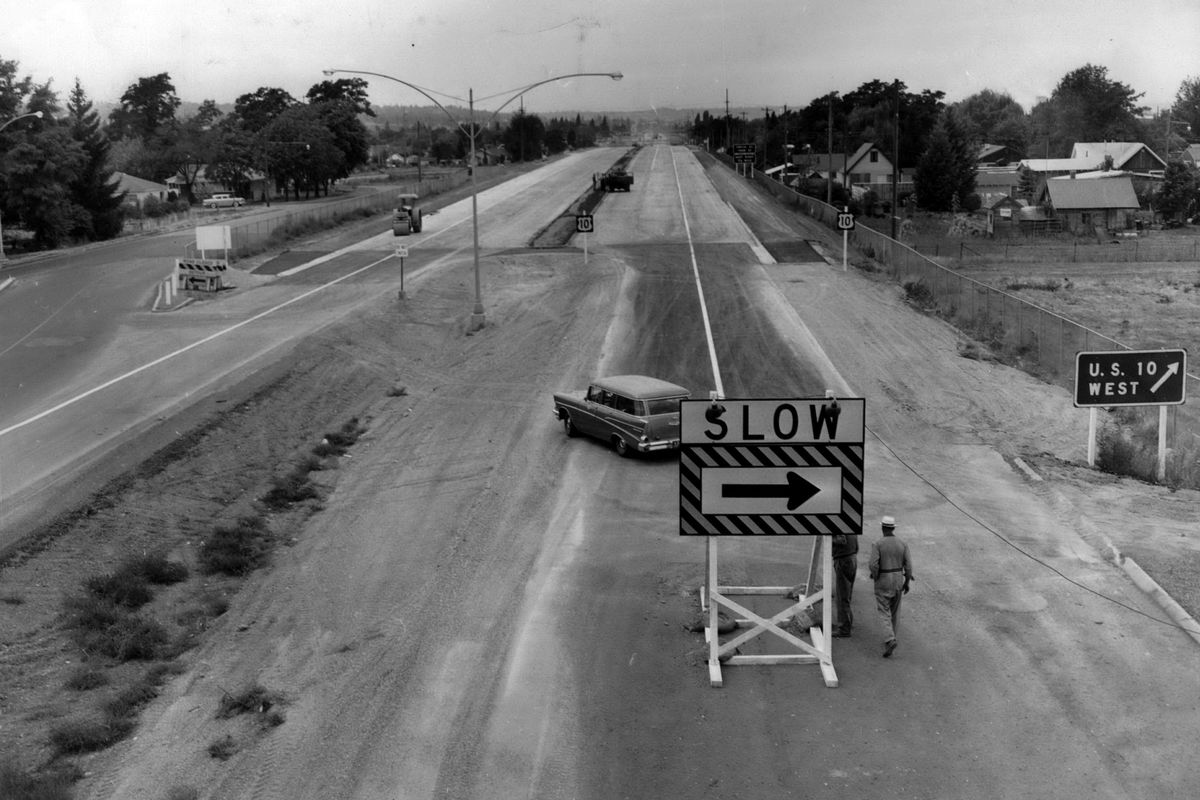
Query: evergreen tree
x,y
95,188
1180,190
946,171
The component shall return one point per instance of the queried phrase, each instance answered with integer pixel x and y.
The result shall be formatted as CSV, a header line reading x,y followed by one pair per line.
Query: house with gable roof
x,y
138,190
1085,205
867,168
1133,157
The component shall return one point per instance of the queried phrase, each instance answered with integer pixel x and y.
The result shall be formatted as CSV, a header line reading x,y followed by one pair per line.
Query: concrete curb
x,y
7,282
1159,595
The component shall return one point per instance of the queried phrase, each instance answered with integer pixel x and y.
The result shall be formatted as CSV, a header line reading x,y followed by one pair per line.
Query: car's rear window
x,y
661,405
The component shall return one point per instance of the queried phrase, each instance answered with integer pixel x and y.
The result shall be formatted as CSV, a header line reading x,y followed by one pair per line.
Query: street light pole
x,y
37,114
477,312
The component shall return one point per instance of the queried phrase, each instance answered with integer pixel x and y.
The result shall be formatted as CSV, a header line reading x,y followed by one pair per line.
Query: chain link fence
x,y
1043,342
253,236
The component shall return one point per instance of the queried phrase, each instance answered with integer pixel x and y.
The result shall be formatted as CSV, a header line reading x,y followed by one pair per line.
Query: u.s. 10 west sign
x,y
1130,378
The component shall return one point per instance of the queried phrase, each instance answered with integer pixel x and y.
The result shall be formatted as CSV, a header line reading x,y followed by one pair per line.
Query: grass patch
x,y
224,748
16,784
85,677
253,699
236,549
919,294
129,701
336,443
88,736
1047,285
294,487
102,627
1128,446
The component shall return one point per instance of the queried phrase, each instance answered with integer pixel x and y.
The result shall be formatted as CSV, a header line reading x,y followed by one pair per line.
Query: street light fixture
x,y
477,313
37,114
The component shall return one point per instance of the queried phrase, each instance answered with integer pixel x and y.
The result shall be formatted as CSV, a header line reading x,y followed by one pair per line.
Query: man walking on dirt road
x,y
891,569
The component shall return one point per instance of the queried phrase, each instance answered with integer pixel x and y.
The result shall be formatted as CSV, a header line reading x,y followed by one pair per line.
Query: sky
x,y
672,53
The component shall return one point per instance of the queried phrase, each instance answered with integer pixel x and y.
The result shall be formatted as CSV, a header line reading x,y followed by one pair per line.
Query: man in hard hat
x,y
891,569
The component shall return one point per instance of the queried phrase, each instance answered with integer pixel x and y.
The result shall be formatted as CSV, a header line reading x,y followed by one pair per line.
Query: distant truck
x,y
615,180
224,201
406,216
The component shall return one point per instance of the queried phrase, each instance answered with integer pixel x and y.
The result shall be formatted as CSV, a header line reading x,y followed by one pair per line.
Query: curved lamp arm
x,y
37,114
616,76
412,86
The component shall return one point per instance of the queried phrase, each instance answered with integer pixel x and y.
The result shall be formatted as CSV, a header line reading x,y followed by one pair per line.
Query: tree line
x,y
58,164
938,142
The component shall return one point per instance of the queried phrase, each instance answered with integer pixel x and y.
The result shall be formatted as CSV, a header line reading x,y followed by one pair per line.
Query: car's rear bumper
x,y
658,444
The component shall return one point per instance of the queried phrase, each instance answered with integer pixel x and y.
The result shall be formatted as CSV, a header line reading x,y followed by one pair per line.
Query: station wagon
x,y
633,413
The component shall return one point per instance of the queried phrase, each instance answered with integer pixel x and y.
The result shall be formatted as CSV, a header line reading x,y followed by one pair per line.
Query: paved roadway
x,y
86,366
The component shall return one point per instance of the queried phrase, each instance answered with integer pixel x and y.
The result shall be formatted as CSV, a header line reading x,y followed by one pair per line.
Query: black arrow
x,y
798,491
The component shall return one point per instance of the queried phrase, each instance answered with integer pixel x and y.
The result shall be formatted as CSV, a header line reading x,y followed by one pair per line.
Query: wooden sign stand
x,y
819,652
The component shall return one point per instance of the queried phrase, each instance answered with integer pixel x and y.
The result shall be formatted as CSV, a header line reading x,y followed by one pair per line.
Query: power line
x,y
1026,553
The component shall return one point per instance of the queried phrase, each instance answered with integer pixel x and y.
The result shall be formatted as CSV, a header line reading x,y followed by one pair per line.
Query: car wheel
x,y
622,447
568,426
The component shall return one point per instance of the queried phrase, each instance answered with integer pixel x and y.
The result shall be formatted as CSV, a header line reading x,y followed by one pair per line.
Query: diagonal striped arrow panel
x,y
828,515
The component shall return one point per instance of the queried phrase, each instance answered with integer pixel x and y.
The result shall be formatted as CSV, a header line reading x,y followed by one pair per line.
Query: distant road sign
x,y
771,467
584,223
401,251
1130,378
743,153
845,221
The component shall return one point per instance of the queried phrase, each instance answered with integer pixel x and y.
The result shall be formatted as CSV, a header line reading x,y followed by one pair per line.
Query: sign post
x,y
1108,378
785,467
401,253
585,223
845,223
744,154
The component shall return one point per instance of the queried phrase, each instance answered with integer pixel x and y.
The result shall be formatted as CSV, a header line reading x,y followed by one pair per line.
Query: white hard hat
x,y
888,522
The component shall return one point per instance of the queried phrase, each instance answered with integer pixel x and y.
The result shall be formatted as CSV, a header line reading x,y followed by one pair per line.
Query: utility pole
x,y
728,136
829,154
895,158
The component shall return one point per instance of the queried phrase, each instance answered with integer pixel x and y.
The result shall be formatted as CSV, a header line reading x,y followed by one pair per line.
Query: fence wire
x,y
1044,341
254,236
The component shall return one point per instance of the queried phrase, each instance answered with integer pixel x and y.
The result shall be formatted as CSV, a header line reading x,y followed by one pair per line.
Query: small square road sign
x,y
584,223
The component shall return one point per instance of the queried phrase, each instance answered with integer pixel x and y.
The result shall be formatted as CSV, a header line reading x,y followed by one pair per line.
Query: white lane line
x,y
161,359
708,334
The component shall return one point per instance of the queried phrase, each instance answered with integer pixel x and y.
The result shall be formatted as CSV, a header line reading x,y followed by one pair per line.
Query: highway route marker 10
x,y
845,221
584,223
1130,378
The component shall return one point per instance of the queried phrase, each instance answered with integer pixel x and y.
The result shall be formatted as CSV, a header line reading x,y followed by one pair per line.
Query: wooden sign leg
x,y
713,632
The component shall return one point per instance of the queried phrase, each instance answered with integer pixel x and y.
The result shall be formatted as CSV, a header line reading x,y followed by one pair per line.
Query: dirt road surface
x,y
485,608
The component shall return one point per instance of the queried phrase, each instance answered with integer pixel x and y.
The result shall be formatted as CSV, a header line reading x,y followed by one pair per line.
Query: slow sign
x,y
774,467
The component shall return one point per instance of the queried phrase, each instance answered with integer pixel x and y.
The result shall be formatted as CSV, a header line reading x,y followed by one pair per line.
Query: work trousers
x,y
888,592
844,571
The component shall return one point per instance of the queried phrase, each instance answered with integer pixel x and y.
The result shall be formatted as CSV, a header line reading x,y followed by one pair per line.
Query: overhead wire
x,y
1021,550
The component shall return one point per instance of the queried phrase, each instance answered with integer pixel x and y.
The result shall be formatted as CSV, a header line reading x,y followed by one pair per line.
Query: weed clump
x,y
88,736
294,487
336,443
236,549
16,784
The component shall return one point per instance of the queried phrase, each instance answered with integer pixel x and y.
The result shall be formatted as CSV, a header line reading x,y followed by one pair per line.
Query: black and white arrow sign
x,y
772,490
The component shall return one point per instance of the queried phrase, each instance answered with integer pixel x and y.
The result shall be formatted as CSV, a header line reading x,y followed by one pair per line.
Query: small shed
x,y
1100,203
